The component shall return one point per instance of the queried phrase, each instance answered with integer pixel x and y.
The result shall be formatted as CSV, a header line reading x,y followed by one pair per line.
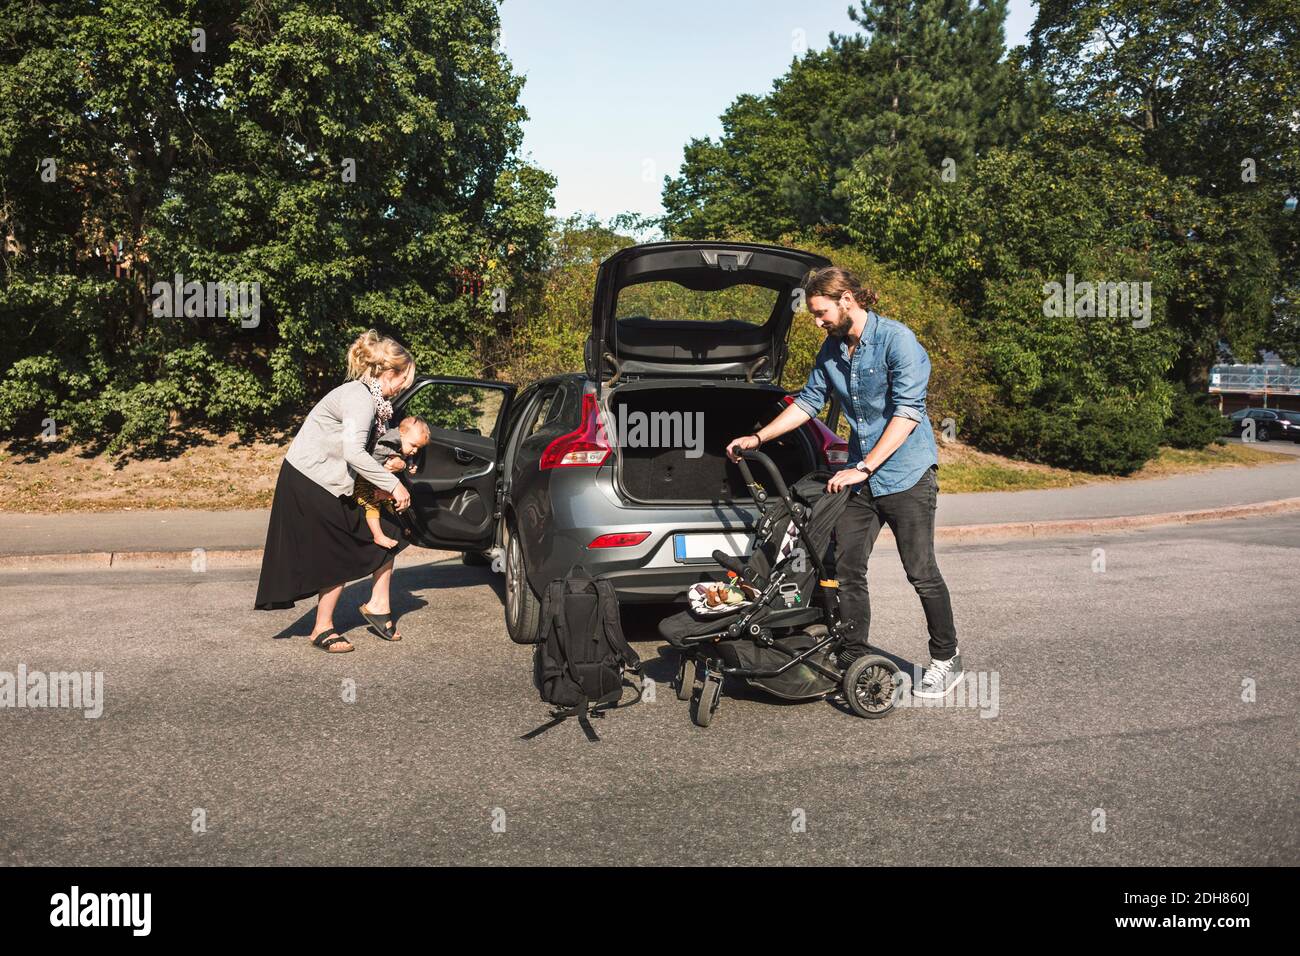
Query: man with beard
x,y
880,373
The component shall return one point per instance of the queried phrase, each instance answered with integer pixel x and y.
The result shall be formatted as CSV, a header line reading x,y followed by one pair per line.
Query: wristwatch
x,y
862,467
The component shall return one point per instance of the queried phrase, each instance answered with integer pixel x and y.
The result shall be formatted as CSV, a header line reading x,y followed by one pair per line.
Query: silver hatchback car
x,y
621,468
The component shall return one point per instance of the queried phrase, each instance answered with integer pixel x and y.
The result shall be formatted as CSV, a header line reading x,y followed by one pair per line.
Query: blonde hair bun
x,y
373,354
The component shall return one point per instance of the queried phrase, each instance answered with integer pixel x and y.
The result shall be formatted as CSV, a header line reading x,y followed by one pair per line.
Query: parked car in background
x,y
695,330
1270,423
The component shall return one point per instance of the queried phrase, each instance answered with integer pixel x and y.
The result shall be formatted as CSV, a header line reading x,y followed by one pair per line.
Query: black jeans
x,y
910,515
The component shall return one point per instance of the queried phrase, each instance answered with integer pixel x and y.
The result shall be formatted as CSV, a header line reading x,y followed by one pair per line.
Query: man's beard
x,y
842,325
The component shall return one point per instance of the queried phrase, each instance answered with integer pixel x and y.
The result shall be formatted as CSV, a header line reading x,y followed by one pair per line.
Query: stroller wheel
x,y
707,702
871,686
685,677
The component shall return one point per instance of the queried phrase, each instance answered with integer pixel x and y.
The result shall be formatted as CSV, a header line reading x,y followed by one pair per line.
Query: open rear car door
x,y
455,483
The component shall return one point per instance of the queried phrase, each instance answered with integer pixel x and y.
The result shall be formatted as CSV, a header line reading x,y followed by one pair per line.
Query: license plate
x,y
700,547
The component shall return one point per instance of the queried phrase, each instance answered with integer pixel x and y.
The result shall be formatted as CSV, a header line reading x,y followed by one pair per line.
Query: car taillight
x,y
834,448
585,445
621,539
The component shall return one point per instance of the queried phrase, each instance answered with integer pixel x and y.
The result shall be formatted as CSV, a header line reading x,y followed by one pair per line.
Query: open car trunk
x,y
650,472
697,309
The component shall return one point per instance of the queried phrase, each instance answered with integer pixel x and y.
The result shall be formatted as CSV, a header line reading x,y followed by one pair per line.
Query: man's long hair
x,y
833,282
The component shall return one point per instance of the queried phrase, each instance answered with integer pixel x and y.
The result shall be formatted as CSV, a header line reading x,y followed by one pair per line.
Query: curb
x,y
215,559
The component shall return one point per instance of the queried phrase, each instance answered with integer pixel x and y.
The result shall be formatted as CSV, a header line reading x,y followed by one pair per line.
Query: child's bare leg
x,y
377,529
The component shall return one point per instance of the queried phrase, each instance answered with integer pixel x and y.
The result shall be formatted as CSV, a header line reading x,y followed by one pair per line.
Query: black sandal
x,y
384,627
325,642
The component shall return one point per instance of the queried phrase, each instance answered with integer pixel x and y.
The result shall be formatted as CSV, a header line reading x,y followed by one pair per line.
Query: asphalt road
x,y
1119,700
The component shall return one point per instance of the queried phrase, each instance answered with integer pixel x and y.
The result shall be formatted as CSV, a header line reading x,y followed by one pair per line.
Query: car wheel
x,y
1262,435
523,607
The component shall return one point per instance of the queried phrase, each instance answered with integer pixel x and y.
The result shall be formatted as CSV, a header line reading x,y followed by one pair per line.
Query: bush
x,y
1099,437
1194,422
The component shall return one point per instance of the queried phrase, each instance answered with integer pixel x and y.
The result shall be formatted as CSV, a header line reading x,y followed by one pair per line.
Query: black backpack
x,y
581,655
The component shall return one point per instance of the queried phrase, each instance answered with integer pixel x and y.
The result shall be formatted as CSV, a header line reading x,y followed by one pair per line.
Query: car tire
x,y
1262,434
523,607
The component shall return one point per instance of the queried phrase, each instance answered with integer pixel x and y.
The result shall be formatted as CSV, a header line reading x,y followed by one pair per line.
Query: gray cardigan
x,y
330,447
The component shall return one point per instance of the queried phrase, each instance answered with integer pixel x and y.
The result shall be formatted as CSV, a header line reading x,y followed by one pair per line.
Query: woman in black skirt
x,y
318,539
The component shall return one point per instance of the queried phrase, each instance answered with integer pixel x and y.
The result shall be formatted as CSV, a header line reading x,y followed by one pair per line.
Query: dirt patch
x,y
215,473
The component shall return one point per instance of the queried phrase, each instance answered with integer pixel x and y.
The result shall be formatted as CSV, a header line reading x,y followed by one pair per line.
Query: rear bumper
x,y
583,509
658,585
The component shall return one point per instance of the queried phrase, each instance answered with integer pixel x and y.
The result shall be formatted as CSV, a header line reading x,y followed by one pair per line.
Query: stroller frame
x,y
870,684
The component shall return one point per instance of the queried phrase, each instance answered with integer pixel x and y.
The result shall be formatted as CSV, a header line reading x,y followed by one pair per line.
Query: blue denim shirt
x,y
886,378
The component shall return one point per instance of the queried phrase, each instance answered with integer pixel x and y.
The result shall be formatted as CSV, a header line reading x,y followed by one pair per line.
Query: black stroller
x,y
782,640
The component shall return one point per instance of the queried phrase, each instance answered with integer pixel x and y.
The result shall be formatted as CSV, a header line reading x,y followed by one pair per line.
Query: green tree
x,y
923,82
931,87
1212,88
1075,203
358,162
770,173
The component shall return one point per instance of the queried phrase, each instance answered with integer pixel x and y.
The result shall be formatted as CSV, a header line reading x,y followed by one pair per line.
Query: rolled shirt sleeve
x,y
812,396
909,375
359,414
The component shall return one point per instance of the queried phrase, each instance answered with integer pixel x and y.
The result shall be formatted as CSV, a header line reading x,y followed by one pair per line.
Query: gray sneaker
x,y
939,677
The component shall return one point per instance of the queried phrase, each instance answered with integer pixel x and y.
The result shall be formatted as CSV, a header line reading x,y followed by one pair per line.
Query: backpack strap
x,y
551,632
544,617
560,715
584,721
608,602
639,687
562,632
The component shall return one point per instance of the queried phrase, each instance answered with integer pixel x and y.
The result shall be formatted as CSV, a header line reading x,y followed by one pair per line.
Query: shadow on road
x,y
640,621
347,617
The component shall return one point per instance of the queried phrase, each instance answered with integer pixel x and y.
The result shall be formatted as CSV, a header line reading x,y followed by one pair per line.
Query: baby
x,y
394,450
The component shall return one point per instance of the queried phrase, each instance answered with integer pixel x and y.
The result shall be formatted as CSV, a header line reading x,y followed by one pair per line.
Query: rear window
x,y
669,300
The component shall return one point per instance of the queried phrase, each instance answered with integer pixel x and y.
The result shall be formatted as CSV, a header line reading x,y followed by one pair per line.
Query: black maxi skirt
x,y
316,540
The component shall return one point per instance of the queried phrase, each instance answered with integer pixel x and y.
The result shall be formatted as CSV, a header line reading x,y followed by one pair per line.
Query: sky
x,y
616,88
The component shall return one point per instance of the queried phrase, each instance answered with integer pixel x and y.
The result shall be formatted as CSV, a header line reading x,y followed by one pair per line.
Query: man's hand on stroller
x,y
743,443
843,478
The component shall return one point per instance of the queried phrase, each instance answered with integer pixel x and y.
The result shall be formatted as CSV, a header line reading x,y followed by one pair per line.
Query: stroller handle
x,y
758,457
